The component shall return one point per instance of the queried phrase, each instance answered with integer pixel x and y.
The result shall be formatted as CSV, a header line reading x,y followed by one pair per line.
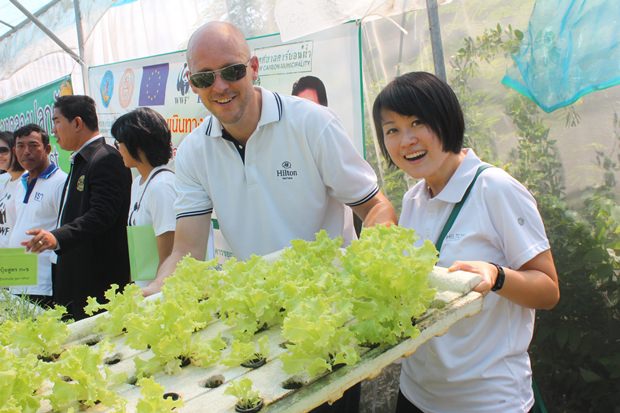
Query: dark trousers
x,y
348,403
405,406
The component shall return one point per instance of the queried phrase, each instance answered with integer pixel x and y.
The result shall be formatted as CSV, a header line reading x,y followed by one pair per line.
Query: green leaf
x,y
589,376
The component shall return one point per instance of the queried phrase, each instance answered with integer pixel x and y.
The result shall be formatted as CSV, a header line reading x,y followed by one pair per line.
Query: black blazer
x,y
91,235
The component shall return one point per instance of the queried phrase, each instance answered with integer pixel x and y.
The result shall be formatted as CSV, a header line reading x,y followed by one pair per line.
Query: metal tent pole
x,y
51,35
80,39
434,27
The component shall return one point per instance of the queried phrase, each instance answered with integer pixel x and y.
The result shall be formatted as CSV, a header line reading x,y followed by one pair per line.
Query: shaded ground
x,y
379,394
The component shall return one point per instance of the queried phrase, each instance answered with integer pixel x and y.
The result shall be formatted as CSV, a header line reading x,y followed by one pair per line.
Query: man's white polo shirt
x,y
39,209
300,169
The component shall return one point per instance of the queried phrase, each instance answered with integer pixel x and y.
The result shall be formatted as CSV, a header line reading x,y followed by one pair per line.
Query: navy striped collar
x,y
49,171
271,111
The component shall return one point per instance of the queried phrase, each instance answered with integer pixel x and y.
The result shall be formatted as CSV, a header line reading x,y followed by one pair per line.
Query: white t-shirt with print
x,y
7,209
481,364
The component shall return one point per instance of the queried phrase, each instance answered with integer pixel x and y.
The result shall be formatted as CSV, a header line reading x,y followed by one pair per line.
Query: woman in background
x,y
144,141
9,182
481,364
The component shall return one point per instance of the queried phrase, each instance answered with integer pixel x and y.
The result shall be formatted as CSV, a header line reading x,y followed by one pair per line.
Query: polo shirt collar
x,y
49,171
457,184
271,111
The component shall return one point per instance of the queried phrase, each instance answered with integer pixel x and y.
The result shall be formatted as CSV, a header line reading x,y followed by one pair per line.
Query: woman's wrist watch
x,y
501,277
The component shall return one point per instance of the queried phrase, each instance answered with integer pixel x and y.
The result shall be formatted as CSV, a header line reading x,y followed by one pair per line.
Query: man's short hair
x,y
72,106
8,138
28,129
311,82
144,129
428,98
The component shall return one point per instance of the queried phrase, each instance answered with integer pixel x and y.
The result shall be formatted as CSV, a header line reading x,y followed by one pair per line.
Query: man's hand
x,y
42,240
153,288
190,238
377,210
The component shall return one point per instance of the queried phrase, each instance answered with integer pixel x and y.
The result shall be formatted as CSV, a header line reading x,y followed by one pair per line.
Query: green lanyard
x,y
457,209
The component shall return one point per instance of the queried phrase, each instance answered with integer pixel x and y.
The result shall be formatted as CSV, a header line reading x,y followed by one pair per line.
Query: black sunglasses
x,y
4,149
230,73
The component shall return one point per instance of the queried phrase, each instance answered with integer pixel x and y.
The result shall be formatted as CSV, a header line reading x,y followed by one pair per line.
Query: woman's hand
x,y
487,271
533,285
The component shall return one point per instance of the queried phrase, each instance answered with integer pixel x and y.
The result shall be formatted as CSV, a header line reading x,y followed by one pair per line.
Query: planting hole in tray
x,y
292,383
113,359
91,341
171,395
253,409
185,361
213,381
255,363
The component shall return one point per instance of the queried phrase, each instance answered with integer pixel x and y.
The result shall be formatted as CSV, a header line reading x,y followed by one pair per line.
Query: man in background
x,y
311,88
91,239
37,204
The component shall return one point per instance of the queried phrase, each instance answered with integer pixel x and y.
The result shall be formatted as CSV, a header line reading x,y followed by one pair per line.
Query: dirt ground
x,y
379,394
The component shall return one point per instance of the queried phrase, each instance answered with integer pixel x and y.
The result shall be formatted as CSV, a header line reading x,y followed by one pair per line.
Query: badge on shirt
x,y
80,183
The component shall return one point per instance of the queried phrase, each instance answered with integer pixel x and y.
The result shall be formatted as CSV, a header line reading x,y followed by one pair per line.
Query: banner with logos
x,y
37,106
161,82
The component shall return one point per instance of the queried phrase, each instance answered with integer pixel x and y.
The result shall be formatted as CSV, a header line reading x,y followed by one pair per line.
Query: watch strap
x,y
501,277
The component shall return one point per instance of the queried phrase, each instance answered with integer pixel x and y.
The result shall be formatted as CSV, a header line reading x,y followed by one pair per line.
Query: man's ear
x,y
78,122
48,149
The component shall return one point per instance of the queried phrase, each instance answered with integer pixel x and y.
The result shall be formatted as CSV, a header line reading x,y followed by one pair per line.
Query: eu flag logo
x,y
153,85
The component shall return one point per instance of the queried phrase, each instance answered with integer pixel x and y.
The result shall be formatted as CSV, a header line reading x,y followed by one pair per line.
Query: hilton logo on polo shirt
x,y
286,173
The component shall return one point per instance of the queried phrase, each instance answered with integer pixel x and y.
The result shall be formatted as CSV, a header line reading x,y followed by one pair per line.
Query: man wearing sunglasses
x,y
274,168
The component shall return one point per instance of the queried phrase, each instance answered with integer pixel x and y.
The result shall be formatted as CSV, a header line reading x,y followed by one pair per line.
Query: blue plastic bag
x,y
571,48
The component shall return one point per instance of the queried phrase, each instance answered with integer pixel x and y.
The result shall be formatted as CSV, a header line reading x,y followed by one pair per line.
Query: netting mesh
x,y
570,49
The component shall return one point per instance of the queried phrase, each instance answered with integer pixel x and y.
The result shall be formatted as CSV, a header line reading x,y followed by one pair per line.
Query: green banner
x,y
37,106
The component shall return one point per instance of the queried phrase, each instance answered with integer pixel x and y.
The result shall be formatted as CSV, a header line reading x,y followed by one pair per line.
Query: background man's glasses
x,y
230,73
4,150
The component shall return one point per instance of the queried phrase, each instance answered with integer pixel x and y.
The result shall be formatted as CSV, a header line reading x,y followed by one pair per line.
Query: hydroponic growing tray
x,y
454,290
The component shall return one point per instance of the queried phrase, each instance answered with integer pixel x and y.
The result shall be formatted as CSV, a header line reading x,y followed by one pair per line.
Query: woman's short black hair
x,y
428,98
7,137
144,129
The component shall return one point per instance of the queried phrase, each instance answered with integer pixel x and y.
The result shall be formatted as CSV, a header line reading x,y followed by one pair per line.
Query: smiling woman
x,y
476,219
